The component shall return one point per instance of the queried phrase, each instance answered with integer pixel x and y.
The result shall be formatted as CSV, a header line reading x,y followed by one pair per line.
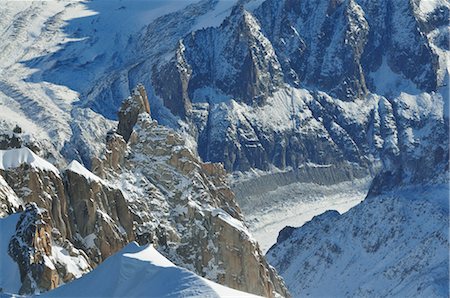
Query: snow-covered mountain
x,y
227,82
285,94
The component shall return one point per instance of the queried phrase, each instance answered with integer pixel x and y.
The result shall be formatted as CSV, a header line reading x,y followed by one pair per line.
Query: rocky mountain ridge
x,y
162,194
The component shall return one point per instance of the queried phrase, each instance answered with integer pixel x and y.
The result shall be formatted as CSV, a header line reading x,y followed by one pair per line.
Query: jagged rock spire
x,y
134,105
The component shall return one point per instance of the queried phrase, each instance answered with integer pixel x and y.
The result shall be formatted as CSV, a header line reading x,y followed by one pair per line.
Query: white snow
x,y
428,6
237,224
13,158
75,265
88,241
388,83
7,194
141,271
78,168
9,270
53,53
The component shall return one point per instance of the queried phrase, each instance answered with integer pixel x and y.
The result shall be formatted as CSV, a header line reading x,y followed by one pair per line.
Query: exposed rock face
x,y
134,105
340,57
167,196
399,233
44,257
100,215
31,247
67,217
46,189
320,42
345,49
235,59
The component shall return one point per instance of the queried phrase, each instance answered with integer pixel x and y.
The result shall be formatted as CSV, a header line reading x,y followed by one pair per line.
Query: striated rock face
x,y
44,257
74,222
319,42
320,77
152,188
43,187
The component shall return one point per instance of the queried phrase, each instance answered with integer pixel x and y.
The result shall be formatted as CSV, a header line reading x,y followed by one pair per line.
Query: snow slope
x,y
394,244
141,271
9,270
78,168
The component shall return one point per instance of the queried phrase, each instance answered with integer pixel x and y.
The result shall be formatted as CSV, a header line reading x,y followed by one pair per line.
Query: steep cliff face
x,y
336,45
44,258
213,64
395,242
99,213
321,43
54,241
35,180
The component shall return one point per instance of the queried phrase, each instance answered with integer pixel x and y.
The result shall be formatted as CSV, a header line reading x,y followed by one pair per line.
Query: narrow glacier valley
x,y
294,204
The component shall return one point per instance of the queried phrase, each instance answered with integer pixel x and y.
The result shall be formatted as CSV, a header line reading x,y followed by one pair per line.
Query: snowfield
x,y
57,58
141,271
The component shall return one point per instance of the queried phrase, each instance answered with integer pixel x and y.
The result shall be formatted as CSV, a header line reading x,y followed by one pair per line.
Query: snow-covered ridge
x,y
78,168
141,271
13,158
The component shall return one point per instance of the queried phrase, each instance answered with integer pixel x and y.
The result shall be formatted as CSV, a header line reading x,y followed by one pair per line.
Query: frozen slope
x,y
9,271
394,244
141,271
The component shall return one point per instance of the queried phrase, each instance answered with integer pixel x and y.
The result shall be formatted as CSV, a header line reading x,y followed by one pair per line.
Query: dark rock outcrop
x,y
235,60
134,105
